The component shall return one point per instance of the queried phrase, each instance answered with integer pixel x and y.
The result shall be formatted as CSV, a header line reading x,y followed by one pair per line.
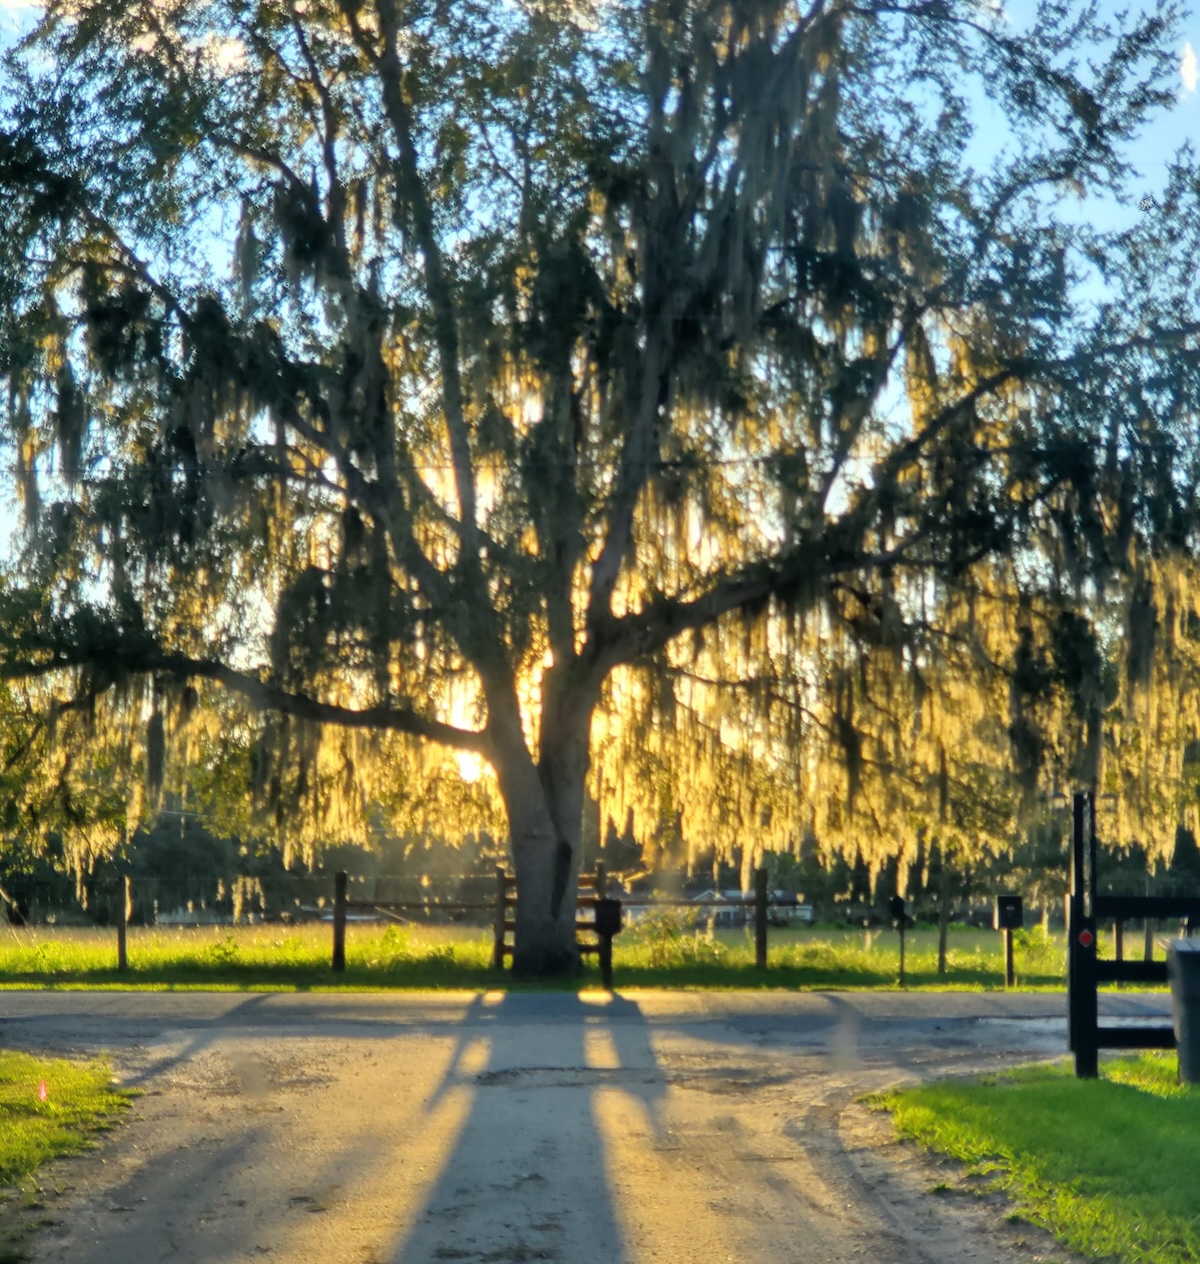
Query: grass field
x,y
79,1101
661,952
1110,1166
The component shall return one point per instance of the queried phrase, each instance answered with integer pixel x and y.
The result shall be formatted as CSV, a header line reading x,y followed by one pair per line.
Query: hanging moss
x,y
1141,629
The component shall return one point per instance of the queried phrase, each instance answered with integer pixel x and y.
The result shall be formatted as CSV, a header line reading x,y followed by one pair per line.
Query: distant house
x,y
719,918
783,910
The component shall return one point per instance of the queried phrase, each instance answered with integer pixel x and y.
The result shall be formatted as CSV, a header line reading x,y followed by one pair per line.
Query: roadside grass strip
x,y
1111,1166
79,1102
49,1108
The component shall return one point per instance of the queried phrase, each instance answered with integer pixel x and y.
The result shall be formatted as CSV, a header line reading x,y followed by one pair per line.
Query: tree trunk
x,y
545,820
546,866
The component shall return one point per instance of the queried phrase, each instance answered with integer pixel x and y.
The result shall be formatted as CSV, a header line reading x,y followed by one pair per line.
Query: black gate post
x,y
1082,1012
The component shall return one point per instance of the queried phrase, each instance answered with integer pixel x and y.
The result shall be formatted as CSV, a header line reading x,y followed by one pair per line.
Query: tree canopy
x,y
688,395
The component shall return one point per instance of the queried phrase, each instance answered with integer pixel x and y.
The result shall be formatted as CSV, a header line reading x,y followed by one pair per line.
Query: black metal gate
x,y
1086,970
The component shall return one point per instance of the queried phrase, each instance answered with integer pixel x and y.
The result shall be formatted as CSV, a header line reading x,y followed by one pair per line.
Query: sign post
x,y
900,919
1007,917
608,923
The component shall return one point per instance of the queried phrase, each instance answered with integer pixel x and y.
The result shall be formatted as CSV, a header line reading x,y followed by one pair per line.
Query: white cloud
x,y
1189,71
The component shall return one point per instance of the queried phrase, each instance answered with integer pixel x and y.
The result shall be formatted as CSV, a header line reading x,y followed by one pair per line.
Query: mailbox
x,y
608,917
1009,914
896,905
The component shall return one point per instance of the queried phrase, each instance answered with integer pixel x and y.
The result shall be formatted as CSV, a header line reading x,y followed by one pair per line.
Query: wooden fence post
x,y
601,887
339,922
123,924
501,918
760,919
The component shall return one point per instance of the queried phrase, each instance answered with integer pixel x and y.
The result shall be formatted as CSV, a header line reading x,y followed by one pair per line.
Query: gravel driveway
x,y
410,1129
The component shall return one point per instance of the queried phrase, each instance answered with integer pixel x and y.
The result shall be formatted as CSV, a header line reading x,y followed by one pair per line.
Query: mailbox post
x,y
900,920
608,924
1008,916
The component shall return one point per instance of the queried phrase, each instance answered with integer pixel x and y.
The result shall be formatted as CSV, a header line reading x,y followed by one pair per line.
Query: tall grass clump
x,y
670,939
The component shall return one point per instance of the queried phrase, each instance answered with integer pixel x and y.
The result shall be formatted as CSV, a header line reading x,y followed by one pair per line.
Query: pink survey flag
x,y
43,1092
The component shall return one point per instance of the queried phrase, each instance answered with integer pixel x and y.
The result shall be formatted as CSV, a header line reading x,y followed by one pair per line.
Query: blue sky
x,y
1183,123
1159,142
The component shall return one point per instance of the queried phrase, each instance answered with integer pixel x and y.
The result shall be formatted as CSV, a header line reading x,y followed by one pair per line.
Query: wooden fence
x,y
592,887
502,907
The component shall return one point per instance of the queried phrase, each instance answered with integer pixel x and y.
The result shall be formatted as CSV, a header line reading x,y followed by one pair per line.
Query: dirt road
x,y
367,1129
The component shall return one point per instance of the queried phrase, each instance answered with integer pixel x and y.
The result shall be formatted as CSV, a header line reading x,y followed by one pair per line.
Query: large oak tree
x,y
455,369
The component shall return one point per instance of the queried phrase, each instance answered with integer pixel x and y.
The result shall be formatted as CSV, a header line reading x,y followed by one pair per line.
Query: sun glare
x,y
470,766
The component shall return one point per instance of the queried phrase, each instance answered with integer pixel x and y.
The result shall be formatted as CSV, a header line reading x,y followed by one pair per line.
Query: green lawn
x,y
663,953
79,1102
1111,1166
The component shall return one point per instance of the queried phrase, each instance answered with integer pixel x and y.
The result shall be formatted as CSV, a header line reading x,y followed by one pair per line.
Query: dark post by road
x,y
760,919
1081,943
899,913
1008,915
123,924
601,887
501,915
339,921
605,954
608,922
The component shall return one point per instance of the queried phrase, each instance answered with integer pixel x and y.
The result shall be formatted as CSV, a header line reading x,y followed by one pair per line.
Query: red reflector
x,y
1086,938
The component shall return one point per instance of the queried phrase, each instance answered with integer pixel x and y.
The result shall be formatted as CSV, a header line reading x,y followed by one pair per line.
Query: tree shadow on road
x,y
529,1176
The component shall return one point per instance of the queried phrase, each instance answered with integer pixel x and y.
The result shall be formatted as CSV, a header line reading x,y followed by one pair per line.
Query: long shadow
x,y
192,1232
199,1040
530,1160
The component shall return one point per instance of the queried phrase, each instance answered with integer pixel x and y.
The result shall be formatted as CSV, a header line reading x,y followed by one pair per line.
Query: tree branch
x,y
388,66
260,693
